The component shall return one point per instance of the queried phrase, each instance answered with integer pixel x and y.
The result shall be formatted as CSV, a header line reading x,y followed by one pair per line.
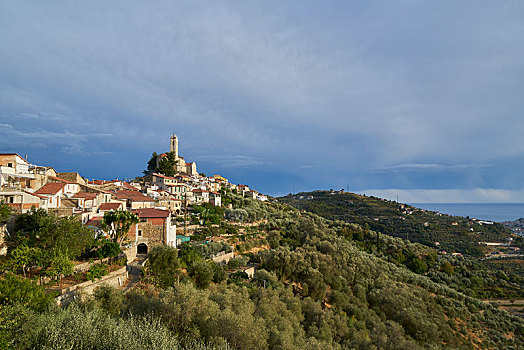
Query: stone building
x,y
155,228
181,165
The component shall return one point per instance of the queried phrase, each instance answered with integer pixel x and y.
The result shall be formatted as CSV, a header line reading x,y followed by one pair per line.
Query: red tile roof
x,y
96,221
152,213
133,196
51,188
109,206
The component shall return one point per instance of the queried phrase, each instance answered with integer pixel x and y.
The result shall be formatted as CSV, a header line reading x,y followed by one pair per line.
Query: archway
x,y
141,248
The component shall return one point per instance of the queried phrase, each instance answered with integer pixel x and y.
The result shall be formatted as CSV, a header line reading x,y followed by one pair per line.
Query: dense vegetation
x,y
323,284
453,233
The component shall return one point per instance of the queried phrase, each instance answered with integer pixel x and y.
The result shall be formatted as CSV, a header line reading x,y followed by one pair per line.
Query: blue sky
x,y
418,98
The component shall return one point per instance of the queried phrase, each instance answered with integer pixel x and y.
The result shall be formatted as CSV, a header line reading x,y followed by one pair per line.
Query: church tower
x,y
174,145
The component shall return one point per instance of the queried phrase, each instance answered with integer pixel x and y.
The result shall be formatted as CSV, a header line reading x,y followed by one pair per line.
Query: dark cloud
x,y
411,95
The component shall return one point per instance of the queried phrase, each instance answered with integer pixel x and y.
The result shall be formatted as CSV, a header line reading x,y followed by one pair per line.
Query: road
x,y
134,270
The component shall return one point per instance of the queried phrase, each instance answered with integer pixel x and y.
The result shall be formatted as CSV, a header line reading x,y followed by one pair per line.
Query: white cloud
x,y
478,195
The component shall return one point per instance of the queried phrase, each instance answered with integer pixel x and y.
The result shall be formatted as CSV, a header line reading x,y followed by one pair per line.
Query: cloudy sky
x,y
422,99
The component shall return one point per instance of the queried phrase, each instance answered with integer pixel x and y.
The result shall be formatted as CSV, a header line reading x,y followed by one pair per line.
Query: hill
x,y
319,284
441,231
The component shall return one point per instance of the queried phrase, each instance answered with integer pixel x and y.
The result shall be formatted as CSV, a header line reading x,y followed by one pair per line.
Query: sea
x,y
483,211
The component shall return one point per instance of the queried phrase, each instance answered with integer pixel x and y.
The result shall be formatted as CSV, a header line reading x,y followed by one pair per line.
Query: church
x,y
181,165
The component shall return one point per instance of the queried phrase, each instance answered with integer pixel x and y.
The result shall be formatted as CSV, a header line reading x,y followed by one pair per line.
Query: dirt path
x,y
134,270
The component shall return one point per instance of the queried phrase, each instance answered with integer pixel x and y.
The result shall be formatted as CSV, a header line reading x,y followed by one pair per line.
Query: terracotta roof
x,y
152,213
51,188
199,191
96,221
128,186
133,196
85,195
109,206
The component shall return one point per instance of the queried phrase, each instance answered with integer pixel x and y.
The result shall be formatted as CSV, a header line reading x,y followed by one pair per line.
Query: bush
x,y
97,271
16,290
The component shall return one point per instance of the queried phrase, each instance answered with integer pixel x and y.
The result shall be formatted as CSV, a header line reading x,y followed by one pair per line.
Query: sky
x,y
417,99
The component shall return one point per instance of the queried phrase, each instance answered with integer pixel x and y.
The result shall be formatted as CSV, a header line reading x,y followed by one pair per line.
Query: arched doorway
x,y
141,248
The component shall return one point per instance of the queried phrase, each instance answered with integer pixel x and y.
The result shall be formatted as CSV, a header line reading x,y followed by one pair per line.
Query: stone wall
x,y
115,279
222,258
152,235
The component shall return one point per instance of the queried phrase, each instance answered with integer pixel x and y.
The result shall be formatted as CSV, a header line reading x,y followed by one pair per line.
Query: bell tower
x,y
174,145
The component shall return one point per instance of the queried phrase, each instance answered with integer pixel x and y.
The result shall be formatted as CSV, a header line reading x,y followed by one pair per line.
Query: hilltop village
x,y
164,204
182,260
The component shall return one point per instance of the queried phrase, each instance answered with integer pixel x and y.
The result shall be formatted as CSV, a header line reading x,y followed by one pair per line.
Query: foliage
x,y
23,257
16,290
209,213
202,272
108,250
60,265
163,264
97,271
5,213
401,220
167,164
38,229
119,222
151,164
73,328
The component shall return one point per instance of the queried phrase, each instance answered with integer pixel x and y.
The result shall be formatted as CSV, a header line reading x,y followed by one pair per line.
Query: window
x,y
139,233
10,165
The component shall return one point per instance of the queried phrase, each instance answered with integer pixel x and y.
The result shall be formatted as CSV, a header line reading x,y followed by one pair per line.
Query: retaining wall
x,y
116,279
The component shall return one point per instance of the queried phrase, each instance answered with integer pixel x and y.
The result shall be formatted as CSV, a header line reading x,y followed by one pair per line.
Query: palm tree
x,y
119,222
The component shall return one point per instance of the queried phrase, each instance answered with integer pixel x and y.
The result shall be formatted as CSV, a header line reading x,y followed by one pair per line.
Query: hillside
x,y
319,284
441,231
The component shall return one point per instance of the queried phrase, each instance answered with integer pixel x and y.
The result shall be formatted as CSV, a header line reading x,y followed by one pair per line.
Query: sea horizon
x,y
498,212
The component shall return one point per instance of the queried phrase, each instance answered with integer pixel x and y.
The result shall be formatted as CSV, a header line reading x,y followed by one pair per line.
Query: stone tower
x,y
174,145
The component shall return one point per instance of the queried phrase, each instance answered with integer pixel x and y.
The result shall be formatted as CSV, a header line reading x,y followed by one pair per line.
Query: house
x,y
110,206
160,180
23,201
179,190
41,174
70,187
86,200
155,228
54,191
263,198
200,196
72,177
134,199
215,198
171,203
14,172
251,194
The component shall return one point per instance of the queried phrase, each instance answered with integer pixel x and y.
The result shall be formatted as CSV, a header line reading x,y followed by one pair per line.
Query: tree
x,y
49,232
60,266
23,257
119,222
17,290
151,164
167,164
163,264
5,213
203,273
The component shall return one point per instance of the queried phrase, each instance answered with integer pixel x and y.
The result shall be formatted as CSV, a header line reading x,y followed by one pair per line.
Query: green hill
x,y
453,233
